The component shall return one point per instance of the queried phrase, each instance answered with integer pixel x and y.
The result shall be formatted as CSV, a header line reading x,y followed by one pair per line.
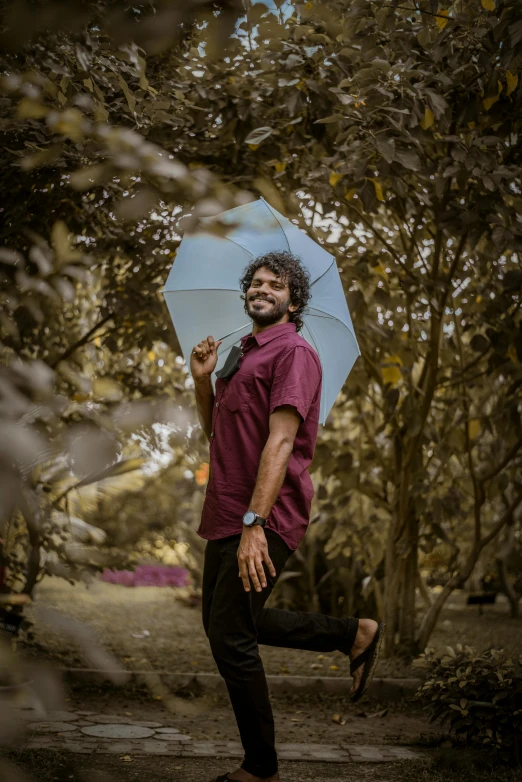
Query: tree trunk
x,y
409,586
423,589
350,590
379,599
312,587
394,563
511,594
33,564
502,559
431,616
3,568
391,594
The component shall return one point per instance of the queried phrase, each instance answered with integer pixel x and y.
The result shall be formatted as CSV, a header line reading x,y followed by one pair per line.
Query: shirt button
x,y
217,404
212,434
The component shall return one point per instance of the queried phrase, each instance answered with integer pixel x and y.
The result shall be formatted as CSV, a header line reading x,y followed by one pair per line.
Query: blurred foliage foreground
x,y
391,133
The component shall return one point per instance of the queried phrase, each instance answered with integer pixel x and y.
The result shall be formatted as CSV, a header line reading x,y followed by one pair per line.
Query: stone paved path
x,y
88,733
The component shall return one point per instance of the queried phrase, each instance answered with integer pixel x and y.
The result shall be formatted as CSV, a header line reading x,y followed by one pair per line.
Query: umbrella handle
x,y
232,332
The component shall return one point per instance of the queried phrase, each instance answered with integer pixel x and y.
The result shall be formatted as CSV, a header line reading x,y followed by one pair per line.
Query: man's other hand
x,y
252,552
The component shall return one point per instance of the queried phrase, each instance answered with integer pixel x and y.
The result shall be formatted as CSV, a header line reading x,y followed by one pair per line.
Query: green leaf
x,y
408,159
258,135
328,120
119,468
131,100
386,148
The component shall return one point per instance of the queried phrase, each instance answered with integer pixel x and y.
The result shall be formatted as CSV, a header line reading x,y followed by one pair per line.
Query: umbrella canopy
x,y
203,295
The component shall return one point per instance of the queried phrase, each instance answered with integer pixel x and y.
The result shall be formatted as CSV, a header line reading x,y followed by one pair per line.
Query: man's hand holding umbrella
x,y
203,358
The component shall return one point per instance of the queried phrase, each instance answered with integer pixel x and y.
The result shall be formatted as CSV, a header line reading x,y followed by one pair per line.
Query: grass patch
x,y
54,766
40,764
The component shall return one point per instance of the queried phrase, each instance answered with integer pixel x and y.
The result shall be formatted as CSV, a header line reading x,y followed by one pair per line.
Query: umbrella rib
x,y
290,249
313,340
328,317
280,226
331,317
197,290
350,332
237,245
326,270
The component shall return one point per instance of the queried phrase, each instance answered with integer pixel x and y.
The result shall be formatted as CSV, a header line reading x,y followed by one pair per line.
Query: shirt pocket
x,y
238,395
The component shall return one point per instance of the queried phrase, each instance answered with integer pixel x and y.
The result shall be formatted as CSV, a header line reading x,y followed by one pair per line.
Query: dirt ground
x,y
117,617
298,719
45,766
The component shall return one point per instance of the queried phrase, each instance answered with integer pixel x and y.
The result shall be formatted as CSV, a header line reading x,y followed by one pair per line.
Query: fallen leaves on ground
x,y
378,714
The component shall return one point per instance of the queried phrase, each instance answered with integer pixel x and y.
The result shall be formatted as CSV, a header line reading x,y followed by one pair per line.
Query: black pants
x,y
236,622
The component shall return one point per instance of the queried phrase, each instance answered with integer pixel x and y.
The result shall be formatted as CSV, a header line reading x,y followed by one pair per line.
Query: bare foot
x,y
243,776
364,637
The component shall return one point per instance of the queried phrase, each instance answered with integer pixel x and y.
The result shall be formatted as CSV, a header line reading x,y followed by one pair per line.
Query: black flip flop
x,y
369,657
224,778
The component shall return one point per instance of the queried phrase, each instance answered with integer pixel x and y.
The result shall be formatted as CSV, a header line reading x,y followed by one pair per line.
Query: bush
x,y
478,696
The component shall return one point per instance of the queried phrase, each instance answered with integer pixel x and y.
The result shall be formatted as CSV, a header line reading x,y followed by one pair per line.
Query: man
x,y
262,428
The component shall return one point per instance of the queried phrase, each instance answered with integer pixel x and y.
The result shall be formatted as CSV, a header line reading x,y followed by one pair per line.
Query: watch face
x,y
249,518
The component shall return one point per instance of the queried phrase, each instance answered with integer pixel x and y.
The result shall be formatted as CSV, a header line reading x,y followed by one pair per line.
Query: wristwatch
x,y
251,519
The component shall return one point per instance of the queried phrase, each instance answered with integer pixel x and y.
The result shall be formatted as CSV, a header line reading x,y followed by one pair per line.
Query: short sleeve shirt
x,y
278,367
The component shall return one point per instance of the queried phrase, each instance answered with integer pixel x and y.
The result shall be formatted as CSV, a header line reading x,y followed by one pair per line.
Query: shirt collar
x,y
269,334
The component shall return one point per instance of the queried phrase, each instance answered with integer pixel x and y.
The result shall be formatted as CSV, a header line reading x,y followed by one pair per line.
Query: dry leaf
x,y
489,102
512,82
474,428
441,23
428,119
378,189
131,100
392,373
31,109
378,714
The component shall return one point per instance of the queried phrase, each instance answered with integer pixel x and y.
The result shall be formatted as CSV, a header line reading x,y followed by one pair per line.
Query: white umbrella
x,y
203,294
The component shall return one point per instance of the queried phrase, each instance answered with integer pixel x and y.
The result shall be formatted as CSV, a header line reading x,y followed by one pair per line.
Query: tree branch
x,y
478,488
82,341
505,461
378,235
502,521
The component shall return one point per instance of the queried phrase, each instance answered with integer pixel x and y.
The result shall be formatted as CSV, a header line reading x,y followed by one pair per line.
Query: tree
x,y
390,132
82,330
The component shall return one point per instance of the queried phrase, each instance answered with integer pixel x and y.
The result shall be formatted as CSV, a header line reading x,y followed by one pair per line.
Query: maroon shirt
x,y
278,367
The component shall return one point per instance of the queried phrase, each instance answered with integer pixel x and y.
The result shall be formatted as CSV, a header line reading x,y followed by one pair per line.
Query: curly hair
x,y
289,267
